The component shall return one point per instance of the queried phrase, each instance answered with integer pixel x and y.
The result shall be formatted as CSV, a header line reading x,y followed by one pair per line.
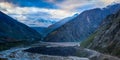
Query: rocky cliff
x,y
82,26
12,30
107,38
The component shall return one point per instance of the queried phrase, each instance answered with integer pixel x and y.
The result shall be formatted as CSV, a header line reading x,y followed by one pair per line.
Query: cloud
x,y
104,3
6,5
54,1
23,14
31,3
53,13
73,5
64,7
107,2
49,9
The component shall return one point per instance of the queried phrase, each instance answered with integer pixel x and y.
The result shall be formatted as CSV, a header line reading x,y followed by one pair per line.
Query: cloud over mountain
x,y
49,9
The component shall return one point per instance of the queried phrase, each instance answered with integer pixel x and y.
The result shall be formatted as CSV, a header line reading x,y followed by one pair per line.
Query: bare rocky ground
x,y
19,53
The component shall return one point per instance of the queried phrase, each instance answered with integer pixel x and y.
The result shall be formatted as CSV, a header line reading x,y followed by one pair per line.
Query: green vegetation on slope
x,y
86,42
107,37
90,39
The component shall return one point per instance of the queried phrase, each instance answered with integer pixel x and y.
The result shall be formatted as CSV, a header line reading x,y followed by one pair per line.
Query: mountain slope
x,y
46,30
107,38
59,24
12,30
82,26
41,30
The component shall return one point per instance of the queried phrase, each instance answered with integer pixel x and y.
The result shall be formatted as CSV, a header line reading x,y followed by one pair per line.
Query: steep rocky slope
x,y
12,30
82,26
107,37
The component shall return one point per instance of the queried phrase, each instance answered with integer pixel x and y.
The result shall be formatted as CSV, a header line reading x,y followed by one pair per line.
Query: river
x,y
53,51
18,53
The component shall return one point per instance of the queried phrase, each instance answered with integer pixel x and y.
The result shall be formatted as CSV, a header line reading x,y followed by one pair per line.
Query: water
x,y
56,51
18,53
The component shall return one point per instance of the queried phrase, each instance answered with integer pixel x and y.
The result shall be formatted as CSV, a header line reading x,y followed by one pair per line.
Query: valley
x,y
87,32
60,51
19,53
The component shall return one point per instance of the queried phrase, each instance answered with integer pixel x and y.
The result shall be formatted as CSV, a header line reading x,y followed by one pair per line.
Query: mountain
x,y
11,30
46,30
40,22
41,30
107,36
35,21
59,24
82,26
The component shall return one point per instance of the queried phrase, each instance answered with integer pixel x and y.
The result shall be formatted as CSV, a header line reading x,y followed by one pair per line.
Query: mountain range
x,y
11,30
106,38
81,26
44,31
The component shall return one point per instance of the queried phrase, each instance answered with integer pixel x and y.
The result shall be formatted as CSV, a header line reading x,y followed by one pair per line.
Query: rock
x,y
107,39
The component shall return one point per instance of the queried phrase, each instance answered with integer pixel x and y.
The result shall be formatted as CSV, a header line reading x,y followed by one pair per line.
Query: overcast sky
x,y
49,9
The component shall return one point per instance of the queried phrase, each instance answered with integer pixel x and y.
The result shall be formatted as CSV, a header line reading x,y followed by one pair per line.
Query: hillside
x,y
12,30
41,30
107,37
82,26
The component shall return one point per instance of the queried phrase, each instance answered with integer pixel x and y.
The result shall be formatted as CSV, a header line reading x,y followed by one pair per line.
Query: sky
x,y
28,11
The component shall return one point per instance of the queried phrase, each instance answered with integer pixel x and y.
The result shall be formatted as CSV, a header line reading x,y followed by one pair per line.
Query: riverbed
x,y
19,53
53,51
